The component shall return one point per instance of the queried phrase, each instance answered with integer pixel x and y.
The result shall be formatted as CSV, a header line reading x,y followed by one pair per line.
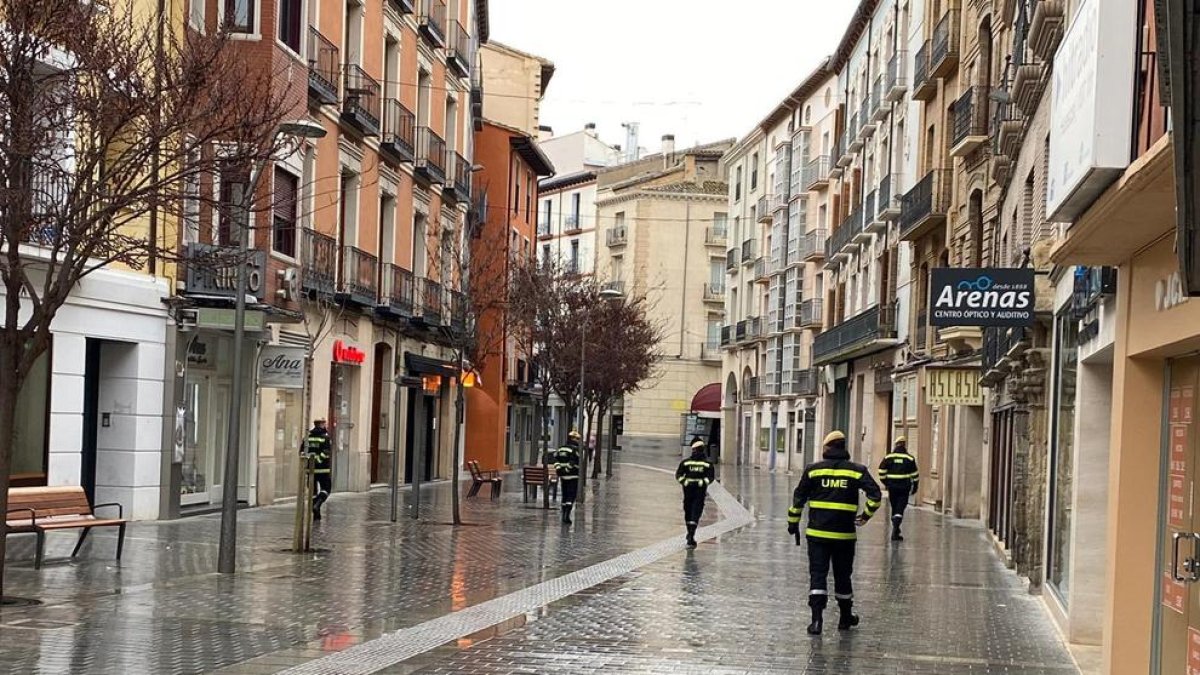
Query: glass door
x,y
1179,530
207,404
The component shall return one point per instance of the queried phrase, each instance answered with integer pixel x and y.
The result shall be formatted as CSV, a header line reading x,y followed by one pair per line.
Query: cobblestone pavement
x,y
939,603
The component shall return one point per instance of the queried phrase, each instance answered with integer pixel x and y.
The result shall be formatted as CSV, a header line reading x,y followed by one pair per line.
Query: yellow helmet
x,y
574,435
834,435
901,440
698,444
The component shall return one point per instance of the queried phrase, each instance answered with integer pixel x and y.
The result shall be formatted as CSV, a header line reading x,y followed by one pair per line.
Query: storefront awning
x,y
423,365
707,399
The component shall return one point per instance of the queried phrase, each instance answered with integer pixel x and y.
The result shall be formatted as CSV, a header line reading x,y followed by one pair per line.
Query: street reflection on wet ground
x,y
938,603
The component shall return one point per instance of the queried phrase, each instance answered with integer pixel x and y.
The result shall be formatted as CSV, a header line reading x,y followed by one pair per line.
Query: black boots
x,y
847,620
566,514
317,502
691,535
896,536
814,628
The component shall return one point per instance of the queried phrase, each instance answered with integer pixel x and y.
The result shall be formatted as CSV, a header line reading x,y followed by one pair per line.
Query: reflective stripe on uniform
x,y
899,455
696,462
321,470
826,534
568,477
793,514
835,506
872,503
839,473
818,591
899,476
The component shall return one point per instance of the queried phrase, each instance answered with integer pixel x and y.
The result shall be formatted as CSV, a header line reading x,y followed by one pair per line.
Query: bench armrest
x,y
31,512
120,509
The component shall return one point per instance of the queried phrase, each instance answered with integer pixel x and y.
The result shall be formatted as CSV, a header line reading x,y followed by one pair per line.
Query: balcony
x,y
716,236
404,6
751,390
572,224
318,263
812,246
360,277
573,268
924,85
1001,347
969,116
763,209
888,202
396,292
324,68
431,156
456,304
1029,82
809,314
432,22
616,286
804,383
739,331
731,259
710,352
458,49
872,223
762,270
845,237
866,125
896,77
944,56
714,292
429,293
816,173
726,336
617,236
753,328
1047,27
879,111
543,227
870,331
399,132
835,156
459,183
920,336
360,104
925,205
749,251
854,142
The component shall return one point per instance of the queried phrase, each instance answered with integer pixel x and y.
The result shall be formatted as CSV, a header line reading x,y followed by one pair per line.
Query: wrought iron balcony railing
x,y
324,68
360,104
854,336
432,22
318,263
397,290
399,131
360,276
969,115
431,155
925,205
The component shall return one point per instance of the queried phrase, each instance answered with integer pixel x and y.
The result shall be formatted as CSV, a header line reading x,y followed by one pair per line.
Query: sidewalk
x,y
940,603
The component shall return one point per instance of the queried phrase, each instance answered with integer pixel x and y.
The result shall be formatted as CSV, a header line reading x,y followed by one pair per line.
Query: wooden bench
x,y
39,510
533,477
479,477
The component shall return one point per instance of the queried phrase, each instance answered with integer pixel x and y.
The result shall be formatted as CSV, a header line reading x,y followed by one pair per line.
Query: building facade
x,y
655,214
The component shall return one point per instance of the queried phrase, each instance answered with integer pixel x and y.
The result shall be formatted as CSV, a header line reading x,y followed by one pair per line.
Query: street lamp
x,y
612,295
227,553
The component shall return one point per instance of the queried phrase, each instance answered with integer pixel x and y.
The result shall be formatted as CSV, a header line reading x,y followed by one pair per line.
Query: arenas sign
x,y
981,297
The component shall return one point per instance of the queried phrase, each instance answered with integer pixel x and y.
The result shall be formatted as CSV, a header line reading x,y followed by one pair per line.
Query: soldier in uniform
x,y
318,447
694,474
566,465
829,488
900,476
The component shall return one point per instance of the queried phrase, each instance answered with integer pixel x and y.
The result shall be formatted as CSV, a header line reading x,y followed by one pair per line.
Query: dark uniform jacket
x,y
695,470
899,469
318,447
566,461
830,490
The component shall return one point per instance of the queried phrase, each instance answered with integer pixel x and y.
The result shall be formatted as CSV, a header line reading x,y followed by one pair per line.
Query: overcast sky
x,y
700,69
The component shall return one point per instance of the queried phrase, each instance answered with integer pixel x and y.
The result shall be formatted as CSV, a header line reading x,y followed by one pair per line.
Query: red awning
x,y
708,399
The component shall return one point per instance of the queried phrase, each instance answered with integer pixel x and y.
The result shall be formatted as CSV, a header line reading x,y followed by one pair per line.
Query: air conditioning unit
x,y
187,320
289,284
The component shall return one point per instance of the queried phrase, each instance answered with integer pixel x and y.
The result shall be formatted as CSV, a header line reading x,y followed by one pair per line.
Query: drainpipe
x,y
687,231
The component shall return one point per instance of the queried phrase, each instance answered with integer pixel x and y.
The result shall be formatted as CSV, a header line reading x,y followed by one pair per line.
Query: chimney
x,y
545,133
590,128
668,150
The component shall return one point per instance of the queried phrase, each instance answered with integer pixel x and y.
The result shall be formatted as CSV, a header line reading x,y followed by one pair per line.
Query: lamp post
x,y
227,552
610,294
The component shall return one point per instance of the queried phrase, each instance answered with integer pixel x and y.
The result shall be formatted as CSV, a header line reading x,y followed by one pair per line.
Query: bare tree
x,y
104,118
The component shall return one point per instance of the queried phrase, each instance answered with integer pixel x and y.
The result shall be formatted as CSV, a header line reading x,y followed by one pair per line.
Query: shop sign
x,y
1181,402
1174,593
348,354
1179,442
213,271
1177,500
982,297
1169,292
281,367
953,386
1091,107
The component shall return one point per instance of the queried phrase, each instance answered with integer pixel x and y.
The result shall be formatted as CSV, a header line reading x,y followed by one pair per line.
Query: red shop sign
x,y
344,353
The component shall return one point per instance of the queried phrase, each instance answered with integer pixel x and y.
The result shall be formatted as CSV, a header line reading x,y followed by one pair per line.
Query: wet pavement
x,y
513,592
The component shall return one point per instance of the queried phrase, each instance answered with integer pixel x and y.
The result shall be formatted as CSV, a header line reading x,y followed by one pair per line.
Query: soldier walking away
x,y
830,490
900,476
320,450
695,474
566,465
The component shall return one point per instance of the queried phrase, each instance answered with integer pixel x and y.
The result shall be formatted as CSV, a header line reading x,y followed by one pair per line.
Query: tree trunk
x,y
10,384
544,440
599,443
459,416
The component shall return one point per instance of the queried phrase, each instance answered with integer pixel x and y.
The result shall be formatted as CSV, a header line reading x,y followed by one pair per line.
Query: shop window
x,y
33,415
1062,454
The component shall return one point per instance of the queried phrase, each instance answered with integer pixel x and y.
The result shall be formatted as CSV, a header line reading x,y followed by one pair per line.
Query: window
x,y
352,37
420,261
575,207
239,16
737,185
720,223
754,172
544,221
33,414
283,224
191,202
290,23
516,193
528,195
232,215
545,252
1062,455
196,11
573,264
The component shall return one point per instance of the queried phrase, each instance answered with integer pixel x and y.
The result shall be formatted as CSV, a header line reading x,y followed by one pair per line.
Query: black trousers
x,y
323,482
821,554
570,486
693,503
898,496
